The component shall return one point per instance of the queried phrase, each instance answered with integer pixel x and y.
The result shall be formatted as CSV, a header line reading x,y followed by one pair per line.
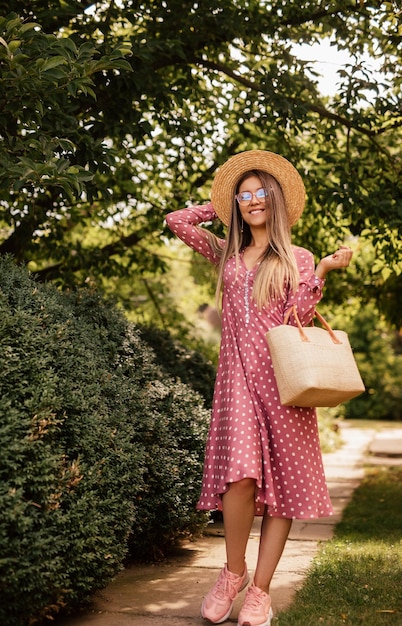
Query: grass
x,y
357,577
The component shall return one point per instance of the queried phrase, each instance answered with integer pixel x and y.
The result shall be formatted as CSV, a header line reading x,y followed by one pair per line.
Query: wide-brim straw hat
x,y
227,177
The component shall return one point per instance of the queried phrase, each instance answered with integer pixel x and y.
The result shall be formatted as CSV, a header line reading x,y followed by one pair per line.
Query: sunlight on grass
x,y
357,577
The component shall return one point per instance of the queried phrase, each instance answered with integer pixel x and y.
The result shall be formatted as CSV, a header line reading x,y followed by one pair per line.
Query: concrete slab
x,y
387,443
385,461
304,531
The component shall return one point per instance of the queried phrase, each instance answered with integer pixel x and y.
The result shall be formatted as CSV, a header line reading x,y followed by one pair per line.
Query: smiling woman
x,y
261,458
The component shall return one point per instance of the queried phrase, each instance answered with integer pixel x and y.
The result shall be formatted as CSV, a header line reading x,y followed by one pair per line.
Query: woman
x,y
261,458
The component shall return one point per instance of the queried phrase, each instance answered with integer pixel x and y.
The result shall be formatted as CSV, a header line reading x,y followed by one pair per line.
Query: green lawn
x,y
356,579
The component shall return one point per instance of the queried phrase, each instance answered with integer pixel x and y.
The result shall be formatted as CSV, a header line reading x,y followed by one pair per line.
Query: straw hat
x,y
228,175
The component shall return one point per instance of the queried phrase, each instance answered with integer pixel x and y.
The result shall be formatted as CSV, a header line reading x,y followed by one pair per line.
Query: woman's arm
x,y
312,280
185,224
309,291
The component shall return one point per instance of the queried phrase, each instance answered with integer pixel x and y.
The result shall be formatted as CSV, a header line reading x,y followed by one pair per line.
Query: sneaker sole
x,y
267,623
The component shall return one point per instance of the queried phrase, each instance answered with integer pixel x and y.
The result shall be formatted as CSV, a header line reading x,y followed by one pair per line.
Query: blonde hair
x,y
278,269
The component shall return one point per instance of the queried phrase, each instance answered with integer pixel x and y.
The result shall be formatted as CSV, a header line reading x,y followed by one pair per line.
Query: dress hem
x,y
260,511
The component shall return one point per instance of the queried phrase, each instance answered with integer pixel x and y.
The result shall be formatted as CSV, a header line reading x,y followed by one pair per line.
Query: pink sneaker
x,y
218,603
256,610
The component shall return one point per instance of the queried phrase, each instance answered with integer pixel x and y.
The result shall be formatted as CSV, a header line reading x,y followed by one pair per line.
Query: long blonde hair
x,y
278,268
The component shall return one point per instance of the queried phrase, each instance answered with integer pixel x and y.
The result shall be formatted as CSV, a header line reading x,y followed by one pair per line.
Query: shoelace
x,y
225,587
253,600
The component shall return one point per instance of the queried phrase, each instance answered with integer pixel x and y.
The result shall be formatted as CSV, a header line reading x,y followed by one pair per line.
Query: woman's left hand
x,y
338,260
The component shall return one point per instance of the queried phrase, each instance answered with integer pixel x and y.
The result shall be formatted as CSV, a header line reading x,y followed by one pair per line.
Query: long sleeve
x,y
185,224
309,292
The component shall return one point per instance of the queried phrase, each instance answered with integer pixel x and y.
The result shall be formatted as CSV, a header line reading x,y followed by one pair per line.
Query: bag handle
x,y
303,335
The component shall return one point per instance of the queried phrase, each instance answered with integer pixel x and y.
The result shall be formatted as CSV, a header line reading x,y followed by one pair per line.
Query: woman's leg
x,y
274,533
238,513
238,505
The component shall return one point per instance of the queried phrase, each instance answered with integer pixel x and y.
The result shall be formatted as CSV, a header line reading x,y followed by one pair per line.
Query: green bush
x,y
380,365
190,366
174,470
100,450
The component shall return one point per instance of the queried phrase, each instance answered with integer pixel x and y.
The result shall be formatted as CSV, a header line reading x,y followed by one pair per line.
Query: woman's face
x,y
254,210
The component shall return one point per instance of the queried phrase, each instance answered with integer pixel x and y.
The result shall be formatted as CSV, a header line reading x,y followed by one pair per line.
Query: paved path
x,y
169,594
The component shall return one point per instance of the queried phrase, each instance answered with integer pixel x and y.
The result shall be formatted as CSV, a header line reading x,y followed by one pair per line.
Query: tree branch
x,y
322,111
53,271
154,301
21,237
322,13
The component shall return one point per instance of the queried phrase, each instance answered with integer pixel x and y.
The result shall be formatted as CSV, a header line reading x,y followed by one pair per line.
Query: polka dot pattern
x,y
251,434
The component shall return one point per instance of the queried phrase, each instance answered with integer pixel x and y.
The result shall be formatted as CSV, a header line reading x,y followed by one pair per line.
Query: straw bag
x,y
313,366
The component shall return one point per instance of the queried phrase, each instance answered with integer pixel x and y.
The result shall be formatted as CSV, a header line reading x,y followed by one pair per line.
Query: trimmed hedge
x,y
178,361
101,451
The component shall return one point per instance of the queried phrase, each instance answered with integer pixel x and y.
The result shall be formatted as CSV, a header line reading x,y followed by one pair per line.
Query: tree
x,y
207,81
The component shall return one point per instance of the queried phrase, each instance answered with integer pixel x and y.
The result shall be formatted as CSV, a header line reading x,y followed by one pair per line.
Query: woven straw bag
x,y
313,366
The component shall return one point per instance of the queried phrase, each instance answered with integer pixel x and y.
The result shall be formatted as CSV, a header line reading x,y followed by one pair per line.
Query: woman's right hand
x,y
338,260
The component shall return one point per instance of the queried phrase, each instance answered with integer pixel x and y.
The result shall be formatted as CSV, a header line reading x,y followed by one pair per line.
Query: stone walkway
x,y
170,594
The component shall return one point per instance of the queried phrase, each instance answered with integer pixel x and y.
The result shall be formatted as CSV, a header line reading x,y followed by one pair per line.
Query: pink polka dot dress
x,y
251,434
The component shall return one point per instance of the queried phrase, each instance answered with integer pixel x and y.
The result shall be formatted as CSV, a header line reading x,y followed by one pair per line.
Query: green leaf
x,y
53,62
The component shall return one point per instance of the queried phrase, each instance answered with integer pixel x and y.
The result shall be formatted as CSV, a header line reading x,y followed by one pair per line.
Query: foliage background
x,y
114,113
111,115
